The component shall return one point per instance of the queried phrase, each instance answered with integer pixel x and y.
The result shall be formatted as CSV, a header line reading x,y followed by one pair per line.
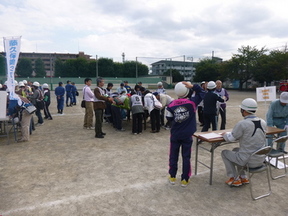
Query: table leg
x,y
196,156
211,164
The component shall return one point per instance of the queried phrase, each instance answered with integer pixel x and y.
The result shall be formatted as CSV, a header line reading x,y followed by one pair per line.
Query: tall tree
x,y
207,70
39,68
176,75
24,68
3,66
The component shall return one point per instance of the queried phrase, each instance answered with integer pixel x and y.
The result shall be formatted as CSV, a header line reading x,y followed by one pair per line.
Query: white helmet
x,y
15,82
249,105
24,81
284,97
36,84
180,90
20,84
1,86
211,85
45,85
159,84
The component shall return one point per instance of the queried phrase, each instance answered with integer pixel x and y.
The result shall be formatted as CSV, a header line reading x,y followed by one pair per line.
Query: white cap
x,y
1,85
25,82
159,84
249,104
284,97
180,90
211,85
36,84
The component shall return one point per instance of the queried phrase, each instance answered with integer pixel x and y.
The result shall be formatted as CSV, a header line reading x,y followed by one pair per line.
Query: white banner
x,y
12,49
266,93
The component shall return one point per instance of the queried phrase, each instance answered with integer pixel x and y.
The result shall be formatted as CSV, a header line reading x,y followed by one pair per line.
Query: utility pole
x,y
96,66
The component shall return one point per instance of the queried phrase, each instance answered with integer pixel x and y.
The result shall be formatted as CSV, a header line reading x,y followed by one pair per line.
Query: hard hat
x,y
211,85
36,84
180,90
5,83
1,86
20,84
159,84
249,105
24,81
45,85
284,97
15,82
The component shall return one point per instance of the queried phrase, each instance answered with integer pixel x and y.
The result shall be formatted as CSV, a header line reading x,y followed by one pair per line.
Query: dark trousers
x,y
155,119
137,122
68,96
46,110
117,117
222,113
209,119
200,114
162,116
185,145
98,121
39,115
60,102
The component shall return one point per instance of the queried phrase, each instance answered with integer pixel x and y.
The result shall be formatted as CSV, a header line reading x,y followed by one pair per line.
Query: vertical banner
x,y
12,50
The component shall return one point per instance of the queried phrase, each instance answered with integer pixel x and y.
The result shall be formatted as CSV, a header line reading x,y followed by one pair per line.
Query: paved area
x,y
64,170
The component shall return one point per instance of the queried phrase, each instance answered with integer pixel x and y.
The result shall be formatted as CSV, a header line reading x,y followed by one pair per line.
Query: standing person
x,y
154,111
74,93
68,89
99,106
37,100
222,92
121,88
108,111
60,92
210,107
251,133
277,116
88,96
47,101
182,113
128,88
201,105
137,112
160,88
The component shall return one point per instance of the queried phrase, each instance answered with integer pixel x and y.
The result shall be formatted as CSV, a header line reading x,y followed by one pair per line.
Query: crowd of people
x,y
208,100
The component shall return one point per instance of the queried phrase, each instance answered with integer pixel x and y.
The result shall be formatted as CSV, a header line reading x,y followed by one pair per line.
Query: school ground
x,y
64,170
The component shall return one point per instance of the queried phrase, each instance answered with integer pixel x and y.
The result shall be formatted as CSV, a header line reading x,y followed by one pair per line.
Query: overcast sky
x,y
145,28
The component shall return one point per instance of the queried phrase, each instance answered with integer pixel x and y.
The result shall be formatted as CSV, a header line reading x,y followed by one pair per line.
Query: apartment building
x,y
49,59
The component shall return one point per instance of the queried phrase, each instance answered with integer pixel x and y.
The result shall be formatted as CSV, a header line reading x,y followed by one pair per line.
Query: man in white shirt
x,y
88,96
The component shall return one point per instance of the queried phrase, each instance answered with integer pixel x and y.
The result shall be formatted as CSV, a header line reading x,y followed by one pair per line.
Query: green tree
x,y
59,67
245,64
24,68
3,68
176,75
39,68
207,70
106,67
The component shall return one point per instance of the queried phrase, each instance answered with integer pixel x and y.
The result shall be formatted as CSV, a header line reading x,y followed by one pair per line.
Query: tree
x,y
3,68
207,70
39,68
176,76
24,68
106,67
245,64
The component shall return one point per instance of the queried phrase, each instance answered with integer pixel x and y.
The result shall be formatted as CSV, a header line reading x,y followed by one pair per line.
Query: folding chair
x,y
277,154
251,171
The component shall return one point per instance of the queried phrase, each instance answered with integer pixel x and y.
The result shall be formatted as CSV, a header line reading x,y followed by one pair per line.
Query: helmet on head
x,y
249,105
1,86
36,84
45,85
211,85
159,84
21,84
180,90
284,97
15,82
24,81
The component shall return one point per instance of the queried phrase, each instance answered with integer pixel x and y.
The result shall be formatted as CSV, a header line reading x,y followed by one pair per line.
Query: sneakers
x,y
244,180
184,183
232,182
90,128
172,180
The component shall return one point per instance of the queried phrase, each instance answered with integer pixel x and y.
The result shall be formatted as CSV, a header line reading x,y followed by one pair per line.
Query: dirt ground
x,y
64,170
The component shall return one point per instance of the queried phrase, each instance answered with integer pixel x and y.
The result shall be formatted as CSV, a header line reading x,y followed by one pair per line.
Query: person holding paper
x,y
277,116
251,134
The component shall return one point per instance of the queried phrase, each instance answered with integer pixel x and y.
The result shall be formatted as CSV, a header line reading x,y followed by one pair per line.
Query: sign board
x,y
3,104
266,93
